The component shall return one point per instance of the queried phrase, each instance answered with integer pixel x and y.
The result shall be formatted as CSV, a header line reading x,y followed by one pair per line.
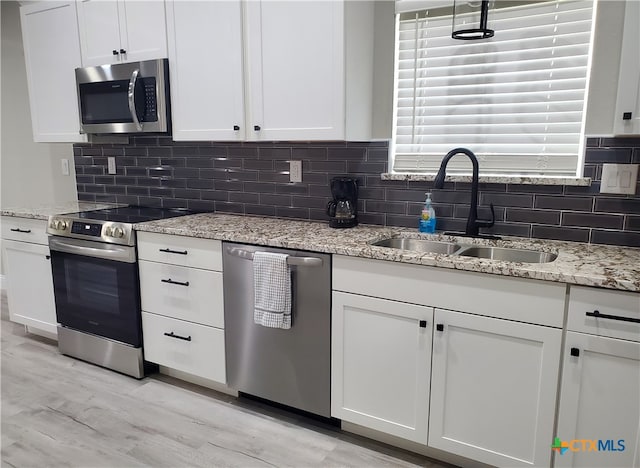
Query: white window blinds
x,y
516,100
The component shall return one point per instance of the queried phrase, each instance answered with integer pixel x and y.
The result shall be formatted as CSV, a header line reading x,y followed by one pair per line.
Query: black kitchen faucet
x,y
473,224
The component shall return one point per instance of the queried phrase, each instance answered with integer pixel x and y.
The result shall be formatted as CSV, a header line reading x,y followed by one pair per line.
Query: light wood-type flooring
x,y
59,411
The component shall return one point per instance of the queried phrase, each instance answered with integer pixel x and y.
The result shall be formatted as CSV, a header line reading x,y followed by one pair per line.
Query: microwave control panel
x,y
150,101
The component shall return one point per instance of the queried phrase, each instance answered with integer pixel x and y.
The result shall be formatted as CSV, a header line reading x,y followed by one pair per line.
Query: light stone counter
x,y
44,211
584,264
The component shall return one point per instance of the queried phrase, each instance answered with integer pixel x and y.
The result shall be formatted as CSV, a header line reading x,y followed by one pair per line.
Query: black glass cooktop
x,y
131,214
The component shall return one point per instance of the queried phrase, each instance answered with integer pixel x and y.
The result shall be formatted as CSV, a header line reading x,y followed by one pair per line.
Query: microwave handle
x,y
132,98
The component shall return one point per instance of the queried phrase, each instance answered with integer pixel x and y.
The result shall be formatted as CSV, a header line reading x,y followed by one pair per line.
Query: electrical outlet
x,y
65,166
295,171
619,178
111,164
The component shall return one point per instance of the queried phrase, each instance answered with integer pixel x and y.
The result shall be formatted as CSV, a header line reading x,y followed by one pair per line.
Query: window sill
x,y
493,179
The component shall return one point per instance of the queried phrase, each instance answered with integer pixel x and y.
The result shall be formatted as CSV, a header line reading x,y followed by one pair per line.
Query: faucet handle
x,y
487,223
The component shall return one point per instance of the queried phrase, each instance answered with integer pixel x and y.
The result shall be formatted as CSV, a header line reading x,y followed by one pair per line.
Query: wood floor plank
x,y
58,411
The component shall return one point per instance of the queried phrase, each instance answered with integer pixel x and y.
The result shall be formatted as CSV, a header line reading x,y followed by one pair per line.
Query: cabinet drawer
x,y
183,293
188,347
180,250
619,305
523,300
25,229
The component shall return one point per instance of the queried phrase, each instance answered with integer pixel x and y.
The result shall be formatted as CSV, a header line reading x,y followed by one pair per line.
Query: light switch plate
x,y
619,178
64,166
111,164
295,171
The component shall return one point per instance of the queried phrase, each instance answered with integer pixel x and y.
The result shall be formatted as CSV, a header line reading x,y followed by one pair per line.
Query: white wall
x,y
30,173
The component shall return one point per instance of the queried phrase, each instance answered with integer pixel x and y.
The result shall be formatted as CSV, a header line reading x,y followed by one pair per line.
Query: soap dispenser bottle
x,y
427,217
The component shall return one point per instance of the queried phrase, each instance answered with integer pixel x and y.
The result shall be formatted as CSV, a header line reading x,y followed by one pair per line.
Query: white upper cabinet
x,y
52,53
295,70
627,117
271,70
113,31
205,66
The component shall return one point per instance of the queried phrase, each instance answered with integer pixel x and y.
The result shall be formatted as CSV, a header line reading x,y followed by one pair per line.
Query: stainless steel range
x,y
96,286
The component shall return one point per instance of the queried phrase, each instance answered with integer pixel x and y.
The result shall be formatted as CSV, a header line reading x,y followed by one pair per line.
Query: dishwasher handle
x,y
292,261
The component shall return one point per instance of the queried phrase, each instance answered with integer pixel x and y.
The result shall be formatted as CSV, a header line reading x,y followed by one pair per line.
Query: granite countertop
x,y
577,263
44,211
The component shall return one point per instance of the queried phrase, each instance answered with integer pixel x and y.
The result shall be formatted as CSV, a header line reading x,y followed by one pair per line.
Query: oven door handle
x,y
131,95
104,251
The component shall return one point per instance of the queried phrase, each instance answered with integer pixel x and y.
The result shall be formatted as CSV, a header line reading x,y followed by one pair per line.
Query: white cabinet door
x,y
52,53
99,32
628,100
295,70
205,56
493,389
143,31
113,31
380,354
600,400
30,285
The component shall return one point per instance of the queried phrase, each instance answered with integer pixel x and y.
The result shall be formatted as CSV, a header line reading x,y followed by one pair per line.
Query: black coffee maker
x,y
343,209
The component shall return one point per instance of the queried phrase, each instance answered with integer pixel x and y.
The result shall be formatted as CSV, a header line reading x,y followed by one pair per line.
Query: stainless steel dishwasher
x,y
291,367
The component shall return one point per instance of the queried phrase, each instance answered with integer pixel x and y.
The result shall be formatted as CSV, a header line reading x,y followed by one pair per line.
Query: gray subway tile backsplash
x,y
253,179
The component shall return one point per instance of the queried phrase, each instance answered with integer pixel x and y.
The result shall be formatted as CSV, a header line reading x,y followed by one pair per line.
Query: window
x,y
516,100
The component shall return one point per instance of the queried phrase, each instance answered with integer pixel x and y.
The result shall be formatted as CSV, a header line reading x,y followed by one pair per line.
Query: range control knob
x,y
118,232
108,231
59,224
52,224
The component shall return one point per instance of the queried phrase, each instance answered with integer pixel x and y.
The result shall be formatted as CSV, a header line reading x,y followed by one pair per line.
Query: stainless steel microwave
x,y
124,97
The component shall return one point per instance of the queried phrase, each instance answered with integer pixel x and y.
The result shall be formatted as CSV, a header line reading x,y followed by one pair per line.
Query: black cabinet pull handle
x,y
178,337
170,281
236,128
575,352
115,52
122,51
597,314
24,231
48,257
256,128
183,252
627,115
423,324
440,327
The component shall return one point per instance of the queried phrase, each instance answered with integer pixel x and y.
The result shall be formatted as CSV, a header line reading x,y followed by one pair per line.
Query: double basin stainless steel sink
x,y
505,254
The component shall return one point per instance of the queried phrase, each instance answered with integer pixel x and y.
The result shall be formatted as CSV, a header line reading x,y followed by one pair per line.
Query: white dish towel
x,y
272,290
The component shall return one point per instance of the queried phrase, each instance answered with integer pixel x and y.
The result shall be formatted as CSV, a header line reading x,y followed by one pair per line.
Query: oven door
x,y
96,288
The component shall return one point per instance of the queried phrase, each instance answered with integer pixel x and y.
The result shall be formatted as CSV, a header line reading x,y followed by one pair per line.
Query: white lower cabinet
x,y
600,391
381,359
493,389
600,401
182,304
464,364
27,266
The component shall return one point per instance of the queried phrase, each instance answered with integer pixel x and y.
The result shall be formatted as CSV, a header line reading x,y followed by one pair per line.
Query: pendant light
x,y
470,20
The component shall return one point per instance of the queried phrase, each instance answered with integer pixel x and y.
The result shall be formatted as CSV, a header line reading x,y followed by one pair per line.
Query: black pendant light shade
x,y
470,20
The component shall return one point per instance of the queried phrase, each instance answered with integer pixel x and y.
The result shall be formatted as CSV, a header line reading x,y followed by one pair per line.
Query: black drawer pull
x,y
179,252
423,324
178,337
24,231
597,314
575,352
170,281
48,257
440,327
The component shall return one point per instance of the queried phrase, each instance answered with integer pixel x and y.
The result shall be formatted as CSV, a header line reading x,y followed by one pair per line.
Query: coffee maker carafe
x,y
343,209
